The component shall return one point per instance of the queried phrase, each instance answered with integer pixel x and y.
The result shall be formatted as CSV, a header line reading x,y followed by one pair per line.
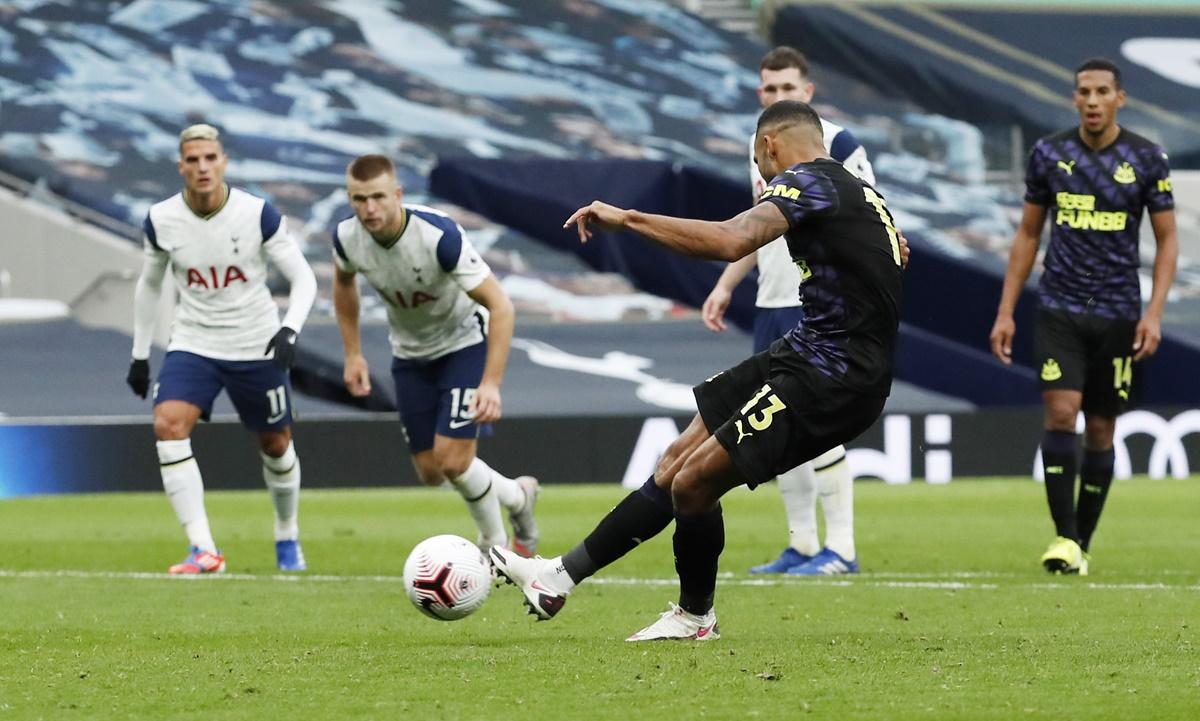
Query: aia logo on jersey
x,y
418,298
214,278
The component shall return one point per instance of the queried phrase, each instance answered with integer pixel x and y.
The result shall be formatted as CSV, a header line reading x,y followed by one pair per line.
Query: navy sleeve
x,y
148,229
269,222
449,247
1158,194
801,195
1037,190
337,245
844,143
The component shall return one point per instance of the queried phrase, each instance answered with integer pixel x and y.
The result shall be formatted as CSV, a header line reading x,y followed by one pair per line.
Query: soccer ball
x,y
447,577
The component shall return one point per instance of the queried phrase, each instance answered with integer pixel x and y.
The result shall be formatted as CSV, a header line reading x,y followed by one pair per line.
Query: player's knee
x,y
170,428
453,467
427,471
688,494
1061,415
1099,431
274,445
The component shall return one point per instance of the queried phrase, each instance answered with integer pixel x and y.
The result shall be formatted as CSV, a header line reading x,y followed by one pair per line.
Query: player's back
x,y
844,243
219,264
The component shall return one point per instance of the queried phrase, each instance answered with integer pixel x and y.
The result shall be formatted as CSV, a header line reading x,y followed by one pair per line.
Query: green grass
x,y
951,619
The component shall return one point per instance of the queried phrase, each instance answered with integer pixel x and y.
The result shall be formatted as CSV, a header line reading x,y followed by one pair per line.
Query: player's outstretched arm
x,y
1020,264
726,240
355,374
1166,256
501,319
146,297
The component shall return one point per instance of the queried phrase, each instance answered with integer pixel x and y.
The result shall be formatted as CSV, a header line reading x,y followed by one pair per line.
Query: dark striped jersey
x,y
1094,200
844,243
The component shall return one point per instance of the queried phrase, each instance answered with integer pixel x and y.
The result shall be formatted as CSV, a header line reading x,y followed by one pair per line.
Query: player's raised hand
x,y
485,405
713,310
357,376
602,215
1001,338
284,345
1146,337
138,377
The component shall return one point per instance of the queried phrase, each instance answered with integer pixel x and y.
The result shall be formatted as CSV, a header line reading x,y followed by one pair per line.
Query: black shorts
x,y
1086,353
775,411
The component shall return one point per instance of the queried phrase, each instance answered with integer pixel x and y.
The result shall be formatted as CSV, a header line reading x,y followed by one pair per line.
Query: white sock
x,y
185,490
508,492
836,489
799,490
282,475
477,488
555,577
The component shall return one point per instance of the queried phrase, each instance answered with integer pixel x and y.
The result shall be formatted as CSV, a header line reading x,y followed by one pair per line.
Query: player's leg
x,y
263,397
1106,395
798,491
699,538
640,516
458,375
455,460
835,487
1095,477
797,486
186,388
1062,361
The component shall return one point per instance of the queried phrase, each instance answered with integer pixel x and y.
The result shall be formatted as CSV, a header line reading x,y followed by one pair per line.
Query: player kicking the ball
x,y
819,386
451,326
226,334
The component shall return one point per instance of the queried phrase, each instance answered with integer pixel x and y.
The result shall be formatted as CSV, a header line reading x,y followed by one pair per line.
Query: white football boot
x,y
523,573
678,624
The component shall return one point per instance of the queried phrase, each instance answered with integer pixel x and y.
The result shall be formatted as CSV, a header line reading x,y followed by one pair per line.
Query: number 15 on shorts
x,y
767,403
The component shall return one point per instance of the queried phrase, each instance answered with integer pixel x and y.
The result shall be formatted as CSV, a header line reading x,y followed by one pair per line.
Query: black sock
x,y
1059,462
641,516
1095,478
699,540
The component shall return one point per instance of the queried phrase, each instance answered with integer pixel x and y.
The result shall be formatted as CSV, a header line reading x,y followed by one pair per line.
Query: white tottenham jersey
x,y
423,279
778,278
225,309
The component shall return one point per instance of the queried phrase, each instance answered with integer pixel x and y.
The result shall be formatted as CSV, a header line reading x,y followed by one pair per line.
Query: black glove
x,y
284,345
138,377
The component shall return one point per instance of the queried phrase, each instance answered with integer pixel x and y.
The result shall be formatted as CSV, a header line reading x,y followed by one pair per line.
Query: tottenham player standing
x,y
226,334
783,75
819,386
451,326
1094,180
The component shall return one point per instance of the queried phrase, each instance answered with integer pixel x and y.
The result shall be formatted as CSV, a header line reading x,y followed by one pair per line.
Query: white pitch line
x,y
944,583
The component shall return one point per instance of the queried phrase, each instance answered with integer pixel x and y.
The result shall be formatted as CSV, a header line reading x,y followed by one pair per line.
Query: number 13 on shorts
x,y
768,404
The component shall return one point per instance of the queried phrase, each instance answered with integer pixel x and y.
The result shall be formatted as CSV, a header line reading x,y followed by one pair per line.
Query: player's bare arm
x,y
1020,265
1149,329
727,240
355,373
490,295
717,302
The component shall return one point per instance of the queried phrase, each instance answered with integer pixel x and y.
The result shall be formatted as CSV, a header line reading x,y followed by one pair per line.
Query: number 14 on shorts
x,y
768,404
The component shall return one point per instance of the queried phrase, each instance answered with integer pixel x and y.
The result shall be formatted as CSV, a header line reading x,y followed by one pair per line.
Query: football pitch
x,y
952,617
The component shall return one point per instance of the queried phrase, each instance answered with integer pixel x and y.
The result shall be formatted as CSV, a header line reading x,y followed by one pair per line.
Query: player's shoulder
x,y
1140,144
434,218
1064,141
